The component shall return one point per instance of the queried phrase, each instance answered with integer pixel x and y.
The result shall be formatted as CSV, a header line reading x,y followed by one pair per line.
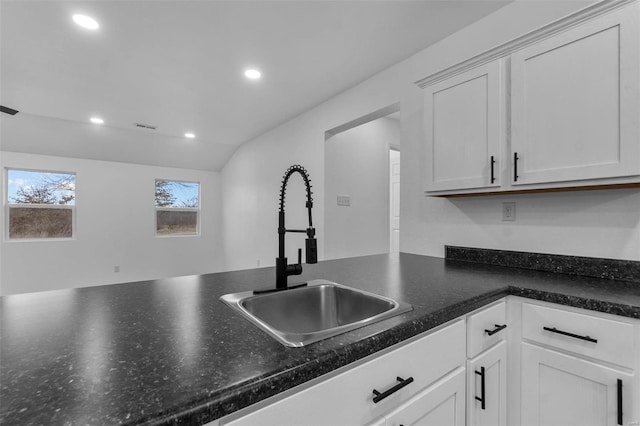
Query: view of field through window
x,y
177,207
40,204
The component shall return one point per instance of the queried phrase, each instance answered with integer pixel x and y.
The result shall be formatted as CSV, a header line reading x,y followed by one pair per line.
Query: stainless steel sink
x,y
322,309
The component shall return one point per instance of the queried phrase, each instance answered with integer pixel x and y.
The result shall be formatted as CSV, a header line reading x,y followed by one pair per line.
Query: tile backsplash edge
x,y
613,269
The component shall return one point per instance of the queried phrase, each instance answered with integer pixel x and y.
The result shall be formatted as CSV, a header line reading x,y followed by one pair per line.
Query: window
x,y
40,204
177,207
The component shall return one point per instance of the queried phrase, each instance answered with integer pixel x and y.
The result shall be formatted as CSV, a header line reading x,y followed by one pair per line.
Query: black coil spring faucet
x,y
311,245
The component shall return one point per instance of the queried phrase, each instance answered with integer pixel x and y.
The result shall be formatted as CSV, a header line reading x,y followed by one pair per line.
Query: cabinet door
x,y
462,128
442,404
575,103
562,390
487,405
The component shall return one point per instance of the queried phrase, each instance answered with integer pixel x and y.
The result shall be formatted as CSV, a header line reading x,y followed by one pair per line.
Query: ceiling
x,y
178,65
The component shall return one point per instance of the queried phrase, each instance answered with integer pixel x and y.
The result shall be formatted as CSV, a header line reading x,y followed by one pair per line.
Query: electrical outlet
x,y
344,200
116,268
509,211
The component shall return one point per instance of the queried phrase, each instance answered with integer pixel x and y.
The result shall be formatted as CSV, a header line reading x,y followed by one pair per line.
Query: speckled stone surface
x,y
614,269
169,352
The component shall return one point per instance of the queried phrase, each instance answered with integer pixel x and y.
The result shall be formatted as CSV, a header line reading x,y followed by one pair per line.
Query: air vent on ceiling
x,y
145,126
8,110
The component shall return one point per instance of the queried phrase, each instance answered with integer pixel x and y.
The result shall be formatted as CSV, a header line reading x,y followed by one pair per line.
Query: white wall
x,y
251,187
357,164
114,226
600,223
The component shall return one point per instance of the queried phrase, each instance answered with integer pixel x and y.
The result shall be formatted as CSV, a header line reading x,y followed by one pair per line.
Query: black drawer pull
x,y
482,388
401,383
575,336
493,162
619,401
515,166
495,330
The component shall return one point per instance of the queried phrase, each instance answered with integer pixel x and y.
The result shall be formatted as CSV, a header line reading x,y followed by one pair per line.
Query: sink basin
x,y
320,310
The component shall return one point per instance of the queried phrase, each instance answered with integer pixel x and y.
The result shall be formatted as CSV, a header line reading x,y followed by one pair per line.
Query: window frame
x,y
178,209
8,206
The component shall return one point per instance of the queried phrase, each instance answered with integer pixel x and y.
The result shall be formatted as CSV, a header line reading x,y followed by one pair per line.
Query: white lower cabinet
x,y
487,366
578,367
564,390
567,366
368,392
487,387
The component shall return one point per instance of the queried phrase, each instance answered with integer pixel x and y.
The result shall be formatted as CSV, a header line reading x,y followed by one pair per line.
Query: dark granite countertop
x,y
168,352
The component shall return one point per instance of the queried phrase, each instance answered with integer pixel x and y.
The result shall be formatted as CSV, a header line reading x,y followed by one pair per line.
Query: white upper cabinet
x,y
462,127
575,103
555,108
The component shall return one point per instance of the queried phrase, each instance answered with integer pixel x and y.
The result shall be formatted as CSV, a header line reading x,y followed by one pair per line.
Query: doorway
x,y
362,206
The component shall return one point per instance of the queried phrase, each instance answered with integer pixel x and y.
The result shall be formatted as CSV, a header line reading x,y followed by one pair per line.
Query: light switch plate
x,y
509,211
344,200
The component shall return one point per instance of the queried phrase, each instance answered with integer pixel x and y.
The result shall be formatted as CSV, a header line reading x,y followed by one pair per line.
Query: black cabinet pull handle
x,y
482,388
379,396
575,336
495,330
619,401
493,162
515,166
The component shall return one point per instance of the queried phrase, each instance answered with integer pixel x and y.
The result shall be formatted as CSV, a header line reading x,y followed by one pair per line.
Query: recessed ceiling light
x,y
189,135
96,120
86,22
252,74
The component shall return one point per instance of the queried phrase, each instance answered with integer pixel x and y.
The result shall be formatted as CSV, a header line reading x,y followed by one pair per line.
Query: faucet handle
x,y
296,268
312,250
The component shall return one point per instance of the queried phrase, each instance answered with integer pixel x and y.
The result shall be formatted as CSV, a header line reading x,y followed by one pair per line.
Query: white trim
x,y
27,169
509,47
39,240
178,209
42,206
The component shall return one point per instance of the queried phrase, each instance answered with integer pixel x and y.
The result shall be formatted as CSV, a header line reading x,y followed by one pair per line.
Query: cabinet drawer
x,y
584,334
347,398
485,328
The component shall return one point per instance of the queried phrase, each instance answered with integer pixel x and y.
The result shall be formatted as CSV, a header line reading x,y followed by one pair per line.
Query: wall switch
x,y
116,268
509,211
258,263
344,200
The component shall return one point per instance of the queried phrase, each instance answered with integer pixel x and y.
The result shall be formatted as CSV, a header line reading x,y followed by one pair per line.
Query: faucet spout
x,y
283,270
